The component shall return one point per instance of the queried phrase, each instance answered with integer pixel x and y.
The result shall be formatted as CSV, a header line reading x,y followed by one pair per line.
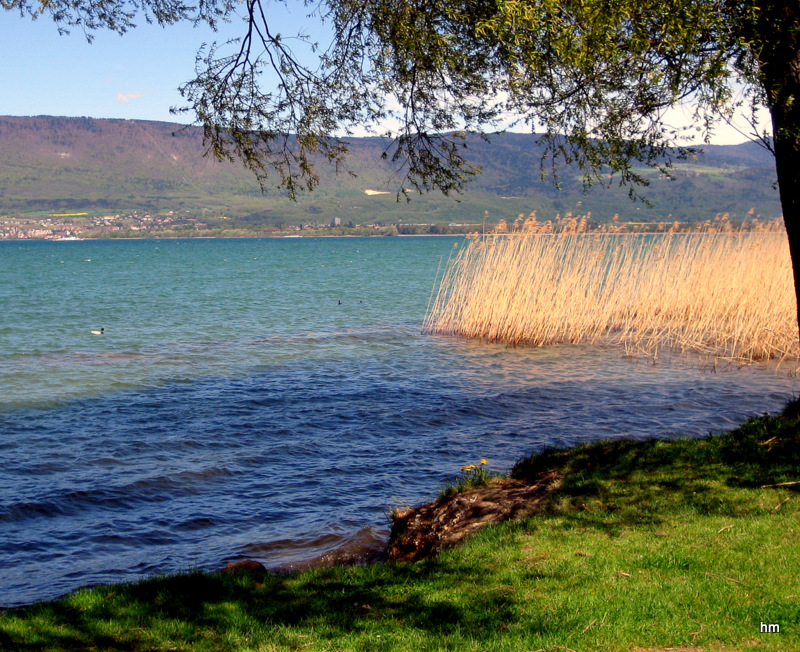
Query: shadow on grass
x,y
227,611
617,483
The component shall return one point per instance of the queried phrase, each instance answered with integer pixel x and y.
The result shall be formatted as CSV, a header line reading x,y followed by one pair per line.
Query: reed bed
x,y
721,291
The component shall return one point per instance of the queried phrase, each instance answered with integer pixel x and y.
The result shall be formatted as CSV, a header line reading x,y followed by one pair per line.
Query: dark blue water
x,y
235,409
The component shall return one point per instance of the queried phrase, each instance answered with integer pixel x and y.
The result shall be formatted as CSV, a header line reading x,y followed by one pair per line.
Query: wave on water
x,y
153,489
56,377
367,544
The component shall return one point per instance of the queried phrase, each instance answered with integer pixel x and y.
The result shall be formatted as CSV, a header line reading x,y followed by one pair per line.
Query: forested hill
x,y
57,164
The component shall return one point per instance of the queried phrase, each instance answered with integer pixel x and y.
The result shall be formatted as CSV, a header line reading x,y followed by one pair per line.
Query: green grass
x,y
648,546
472,476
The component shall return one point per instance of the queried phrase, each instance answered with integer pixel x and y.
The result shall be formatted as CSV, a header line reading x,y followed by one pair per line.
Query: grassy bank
x,y
647,546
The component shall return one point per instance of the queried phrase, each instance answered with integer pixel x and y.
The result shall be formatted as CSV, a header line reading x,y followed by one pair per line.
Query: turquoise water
x,y
273,399
176,309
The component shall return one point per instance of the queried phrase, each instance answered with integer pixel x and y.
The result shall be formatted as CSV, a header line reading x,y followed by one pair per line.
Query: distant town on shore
x,y
66,178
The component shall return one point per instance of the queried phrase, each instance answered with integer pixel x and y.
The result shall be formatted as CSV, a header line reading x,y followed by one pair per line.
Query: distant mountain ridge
x,y
58,164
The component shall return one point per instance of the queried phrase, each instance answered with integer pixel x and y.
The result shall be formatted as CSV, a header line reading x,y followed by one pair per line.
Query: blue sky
x,y
133,76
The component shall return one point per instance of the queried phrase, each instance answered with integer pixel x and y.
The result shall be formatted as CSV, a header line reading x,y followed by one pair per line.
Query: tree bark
x,y
787,163
780,70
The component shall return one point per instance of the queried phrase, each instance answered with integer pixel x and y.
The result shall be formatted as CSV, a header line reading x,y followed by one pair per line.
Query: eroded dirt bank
x,y
422,531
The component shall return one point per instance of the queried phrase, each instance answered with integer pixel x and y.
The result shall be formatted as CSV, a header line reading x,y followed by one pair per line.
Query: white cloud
x,y
127,97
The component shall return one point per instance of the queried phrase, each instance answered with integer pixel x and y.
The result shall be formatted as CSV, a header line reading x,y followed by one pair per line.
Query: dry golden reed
x,y
719,291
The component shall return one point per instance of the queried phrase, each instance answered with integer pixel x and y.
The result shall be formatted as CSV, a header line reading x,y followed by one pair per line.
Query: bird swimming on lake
x,y
96,332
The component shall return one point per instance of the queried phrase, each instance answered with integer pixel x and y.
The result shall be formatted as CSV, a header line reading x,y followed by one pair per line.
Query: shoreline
x,y
535,483
645,545
240,237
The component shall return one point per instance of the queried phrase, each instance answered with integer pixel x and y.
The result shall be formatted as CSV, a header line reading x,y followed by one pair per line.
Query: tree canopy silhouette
x,y
597,77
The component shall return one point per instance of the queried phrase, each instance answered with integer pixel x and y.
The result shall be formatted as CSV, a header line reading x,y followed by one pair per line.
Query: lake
x,y
274,399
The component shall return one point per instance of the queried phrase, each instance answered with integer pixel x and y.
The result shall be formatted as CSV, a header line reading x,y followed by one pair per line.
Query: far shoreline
x,y
241,237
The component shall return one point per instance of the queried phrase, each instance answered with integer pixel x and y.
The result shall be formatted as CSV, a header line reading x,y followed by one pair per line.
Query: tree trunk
x,y
780,70
787,163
